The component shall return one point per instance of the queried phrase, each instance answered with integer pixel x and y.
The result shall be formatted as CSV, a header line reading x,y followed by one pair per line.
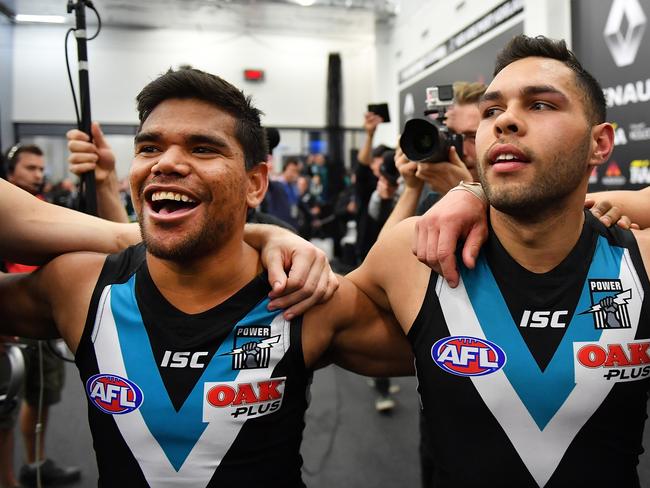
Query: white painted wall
x,y
122,61
6,99
423,24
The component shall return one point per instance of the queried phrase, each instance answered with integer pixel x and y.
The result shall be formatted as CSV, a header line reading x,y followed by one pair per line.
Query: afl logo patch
x,y
468,356
113,394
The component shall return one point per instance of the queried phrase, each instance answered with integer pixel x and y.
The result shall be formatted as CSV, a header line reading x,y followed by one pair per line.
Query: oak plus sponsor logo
x,y
613,175
624,31
252,347
242,400
640,171
113,394
625,361
468,356
609,304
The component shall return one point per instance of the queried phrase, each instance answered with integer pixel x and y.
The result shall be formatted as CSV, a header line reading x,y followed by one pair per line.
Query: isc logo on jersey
x,y
540,319
614,362
468,356
242,400
113,394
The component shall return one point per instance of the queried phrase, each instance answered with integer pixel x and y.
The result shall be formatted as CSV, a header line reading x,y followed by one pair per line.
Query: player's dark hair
x,y
14,152
522,46
195,84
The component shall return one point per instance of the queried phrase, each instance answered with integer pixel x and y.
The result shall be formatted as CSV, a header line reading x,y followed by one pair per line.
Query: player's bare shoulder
x,y
69,281
643,241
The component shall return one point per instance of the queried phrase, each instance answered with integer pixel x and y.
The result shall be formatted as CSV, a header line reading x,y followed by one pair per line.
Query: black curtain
x,y
335,158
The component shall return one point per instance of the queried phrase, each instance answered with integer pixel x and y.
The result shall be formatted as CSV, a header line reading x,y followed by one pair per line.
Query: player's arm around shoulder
x,y
392,276
52,301
353,332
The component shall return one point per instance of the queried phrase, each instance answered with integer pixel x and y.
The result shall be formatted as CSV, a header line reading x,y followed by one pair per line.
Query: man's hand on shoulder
x,y
458,215
608,213
298,271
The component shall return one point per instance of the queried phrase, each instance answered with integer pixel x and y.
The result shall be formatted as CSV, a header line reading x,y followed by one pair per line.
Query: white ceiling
x,y
325,17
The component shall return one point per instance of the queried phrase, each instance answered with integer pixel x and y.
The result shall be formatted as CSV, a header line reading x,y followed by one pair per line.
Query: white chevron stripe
x,y
541,451
212,446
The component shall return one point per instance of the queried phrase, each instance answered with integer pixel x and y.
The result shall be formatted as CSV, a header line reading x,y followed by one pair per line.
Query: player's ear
x,y
258,182
602,143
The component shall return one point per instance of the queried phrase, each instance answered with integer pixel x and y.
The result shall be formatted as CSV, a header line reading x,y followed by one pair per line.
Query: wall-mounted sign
x,y
476,65
612,41
489,21
254,75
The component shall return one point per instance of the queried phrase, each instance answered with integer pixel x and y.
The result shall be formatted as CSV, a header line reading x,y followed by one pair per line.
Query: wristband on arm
x,y
474,188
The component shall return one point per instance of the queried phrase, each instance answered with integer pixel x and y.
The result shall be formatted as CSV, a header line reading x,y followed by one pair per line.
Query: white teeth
x,y
168,195
505,157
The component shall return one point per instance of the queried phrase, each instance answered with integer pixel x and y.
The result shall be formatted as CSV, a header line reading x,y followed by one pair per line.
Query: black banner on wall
x,y
476,65
612,41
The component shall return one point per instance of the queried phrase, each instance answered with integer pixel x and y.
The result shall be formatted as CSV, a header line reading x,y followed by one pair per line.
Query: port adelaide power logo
x,y
609,304
468,356
252,347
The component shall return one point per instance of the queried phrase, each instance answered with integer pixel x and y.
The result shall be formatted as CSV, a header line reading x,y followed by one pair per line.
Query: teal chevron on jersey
x,y
541,392
176,432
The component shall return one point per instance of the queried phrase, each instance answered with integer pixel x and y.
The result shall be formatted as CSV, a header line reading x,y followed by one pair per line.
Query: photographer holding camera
x,y
441,153
384,197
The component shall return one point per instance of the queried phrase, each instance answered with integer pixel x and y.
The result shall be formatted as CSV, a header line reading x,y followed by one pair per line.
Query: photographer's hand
x,y
443,176
407,169
370,123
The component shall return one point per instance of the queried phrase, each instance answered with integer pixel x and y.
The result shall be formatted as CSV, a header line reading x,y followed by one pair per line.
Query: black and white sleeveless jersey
x,y
211,399
531,379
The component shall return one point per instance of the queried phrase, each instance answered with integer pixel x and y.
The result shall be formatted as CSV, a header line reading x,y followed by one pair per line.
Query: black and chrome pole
x,y
87,190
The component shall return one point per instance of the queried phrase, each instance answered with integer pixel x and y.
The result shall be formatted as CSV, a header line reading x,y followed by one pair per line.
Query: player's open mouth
x,y
171,202
507,158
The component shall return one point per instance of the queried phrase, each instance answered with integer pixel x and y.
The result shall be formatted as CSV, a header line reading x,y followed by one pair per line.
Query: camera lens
x,y
423,143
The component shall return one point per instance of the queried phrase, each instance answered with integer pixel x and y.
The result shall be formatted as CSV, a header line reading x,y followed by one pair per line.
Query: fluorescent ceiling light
x,y
305,3
45,19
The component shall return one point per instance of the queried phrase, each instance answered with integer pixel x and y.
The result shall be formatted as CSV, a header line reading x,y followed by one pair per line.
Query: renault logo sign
x,y
624,45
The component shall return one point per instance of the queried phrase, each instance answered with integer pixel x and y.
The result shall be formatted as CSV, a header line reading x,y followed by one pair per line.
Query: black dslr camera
x,y
428,140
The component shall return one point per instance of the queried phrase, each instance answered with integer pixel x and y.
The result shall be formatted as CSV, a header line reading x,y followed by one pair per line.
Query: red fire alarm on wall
x,y
254,75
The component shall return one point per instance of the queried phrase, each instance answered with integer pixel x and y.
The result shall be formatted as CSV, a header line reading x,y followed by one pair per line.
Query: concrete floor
x,y
346,443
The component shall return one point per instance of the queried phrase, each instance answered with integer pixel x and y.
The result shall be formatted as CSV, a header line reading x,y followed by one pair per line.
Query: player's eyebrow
x,y
527,91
